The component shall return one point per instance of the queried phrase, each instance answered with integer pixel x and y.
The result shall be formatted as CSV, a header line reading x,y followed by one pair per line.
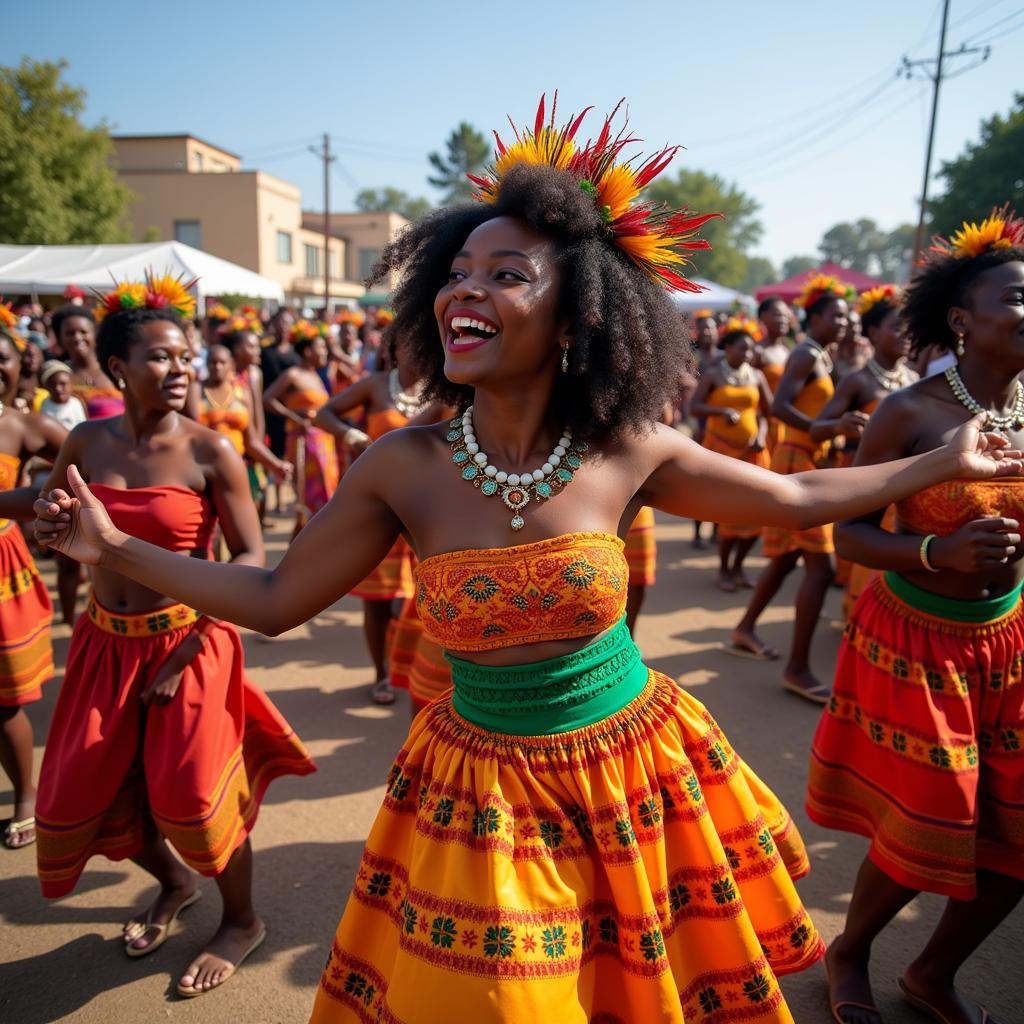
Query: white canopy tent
x,y
49,269
715,297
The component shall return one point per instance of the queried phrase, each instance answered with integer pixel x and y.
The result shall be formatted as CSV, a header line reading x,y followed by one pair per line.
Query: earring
x,y
565,359
120,383
959,346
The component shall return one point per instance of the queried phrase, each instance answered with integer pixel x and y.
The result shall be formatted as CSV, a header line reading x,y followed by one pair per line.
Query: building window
x,y
188,232
332,264
312,260
284,247
197,162
368,258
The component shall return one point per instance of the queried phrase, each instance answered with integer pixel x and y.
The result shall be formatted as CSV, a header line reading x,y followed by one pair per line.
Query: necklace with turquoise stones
x,y
517,490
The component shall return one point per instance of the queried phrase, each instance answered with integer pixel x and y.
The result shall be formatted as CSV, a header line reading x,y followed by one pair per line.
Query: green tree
x,y
760,271
894,258
57,182
730,237
988,173
467,151
392,200
799,265
864,246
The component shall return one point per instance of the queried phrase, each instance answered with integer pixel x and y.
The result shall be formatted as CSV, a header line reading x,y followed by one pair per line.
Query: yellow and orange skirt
x,y
391,579
921,748
199,766
641,549
790,458
26,651
633,869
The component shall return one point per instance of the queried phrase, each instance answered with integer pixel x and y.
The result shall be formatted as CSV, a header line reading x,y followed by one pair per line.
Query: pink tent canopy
x,y
791,288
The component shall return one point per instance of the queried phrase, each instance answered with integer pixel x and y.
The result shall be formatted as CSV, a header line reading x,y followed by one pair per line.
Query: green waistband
x,y
952,608
551,696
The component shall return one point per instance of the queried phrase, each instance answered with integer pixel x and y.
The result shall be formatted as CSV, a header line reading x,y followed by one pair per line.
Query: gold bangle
x,y
924,553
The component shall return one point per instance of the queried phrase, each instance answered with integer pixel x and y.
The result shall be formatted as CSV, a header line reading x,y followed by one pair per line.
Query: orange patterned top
x,y
944,508
486,598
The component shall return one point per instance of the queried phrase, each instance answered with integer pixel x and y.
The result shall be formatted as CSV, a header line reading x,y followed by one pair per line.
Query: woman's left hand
x,y
167,680
981,454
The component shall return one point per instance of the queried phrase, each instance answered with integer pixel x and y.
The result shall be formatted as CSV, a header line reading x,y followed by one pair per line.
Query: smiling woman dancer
x,y
157,735
569,836
922,746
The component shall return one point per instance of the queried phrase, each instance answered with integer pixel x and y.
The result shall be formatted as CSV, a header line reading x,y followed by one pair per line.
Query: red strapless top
x,y
944,508
175,518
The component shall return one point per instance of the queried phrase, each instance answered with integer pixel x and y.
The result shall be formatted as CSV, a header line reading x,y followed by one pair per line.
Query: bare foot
x,y
807,685
849,989
936,994
25,834
166,905
750,641
230,945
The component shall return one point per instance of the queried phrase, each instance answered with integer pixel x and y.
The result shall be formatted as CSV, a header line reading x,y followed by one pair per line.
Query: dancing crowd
x,y
480,464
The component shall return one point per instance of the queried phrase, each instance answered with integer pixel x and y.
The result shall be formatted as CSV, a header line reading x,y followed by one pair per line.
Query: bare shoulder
x,y
209,448
647,450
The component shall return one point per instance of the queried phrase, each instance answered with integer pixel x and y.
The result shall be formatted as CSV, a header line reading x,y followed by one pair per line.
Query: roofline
x,y
178,135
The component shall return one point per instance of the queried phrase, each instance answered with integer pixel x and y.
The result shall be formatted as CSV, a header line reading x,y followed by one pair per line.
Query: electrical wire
x,y
984,31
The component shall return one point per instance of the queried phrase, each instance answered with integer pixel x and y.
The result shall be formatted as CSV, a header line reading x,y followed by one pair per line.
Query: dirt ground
x,y
62,961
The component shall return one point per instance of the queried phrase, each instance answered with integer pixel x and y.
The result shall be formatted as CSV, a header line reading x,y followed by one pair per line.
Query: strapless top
x,y
812,399
380,423
944,508
486,598
175,518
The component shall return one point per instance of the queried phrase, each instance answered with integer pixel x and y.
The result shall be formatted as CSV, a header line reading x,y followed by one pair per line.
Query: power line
x,y
983,8
995,24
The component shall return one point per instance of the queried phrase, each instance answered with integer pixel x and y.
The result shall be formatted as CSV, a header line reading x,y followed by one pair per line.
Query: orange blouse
x,y
487,598
944,508
812,399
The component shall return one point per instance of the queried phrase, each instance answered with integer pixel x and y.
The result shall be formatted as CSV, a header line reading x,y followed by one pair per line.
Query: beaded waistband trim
x,y
175,616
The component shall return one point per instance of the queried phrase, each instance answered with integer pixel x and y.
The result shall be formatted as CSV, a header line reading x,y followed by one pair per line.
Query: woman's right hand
x,y
731,416
852,424
979,544
76,525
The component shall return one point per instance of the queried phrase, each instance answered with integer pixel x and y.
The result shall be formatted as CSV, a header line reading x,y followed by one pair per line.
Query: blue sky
x,y
797,102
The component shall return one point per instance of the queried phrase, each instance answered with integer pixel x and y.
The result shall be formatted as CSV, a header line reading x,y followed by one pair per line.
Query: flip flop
x,y
920,1004
191,993
819,694
726,585
847,1004
15,828
766,653
163,930
383,692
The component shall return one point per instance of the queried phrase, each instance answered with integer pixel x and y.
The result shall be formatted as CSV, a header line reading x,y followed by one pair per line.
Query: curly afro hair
x,y
943,282
876,315
119,331
64,313
630,345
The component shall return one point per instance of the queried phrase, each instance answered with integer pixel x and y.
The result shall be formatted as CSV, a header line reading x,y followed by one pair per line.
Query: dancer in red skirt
x,y
921,748
26,655
158,739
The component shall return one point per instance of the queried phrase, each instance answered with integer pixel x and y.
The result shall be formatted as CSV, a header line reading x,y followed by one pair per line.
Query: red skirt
x,y
199,766
26,653
921,748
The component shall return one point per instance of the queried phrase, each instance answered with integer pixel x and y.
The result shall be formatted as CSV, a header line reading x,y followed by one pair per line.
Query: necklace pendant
x,y
518,522
516,497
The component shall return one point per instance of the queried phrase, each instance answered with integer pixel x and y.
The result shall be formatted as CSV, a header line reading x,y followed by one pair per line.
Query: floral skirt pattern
x,y
631,870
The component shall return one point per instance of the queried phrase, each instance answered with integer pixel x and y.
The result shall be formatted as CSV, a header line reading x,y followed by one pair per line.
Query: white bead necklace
x,y
890,380
516,489
407,403
1014,418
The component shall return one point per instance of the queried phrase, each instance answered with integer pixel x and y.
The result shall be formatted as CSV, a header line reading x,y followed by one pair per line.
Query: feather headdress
x,y
163,292
1001,229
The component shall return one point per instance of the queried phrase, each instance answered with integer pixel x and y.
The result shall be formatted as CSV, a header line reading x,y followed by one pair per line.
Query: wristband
x,y
354,436
925,544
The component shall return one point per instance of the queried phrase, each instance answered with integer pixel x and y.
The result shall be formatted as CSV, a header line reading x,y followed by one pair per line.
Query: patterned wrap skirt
x,y
391,579
26,652
415,662
921,748
313,454
608,858
642,549
199,766
790,458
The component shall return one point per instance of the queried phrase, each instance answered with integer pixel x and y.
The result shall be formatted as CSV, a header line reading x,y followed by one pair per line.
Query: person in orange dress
x,y
771,354
159,742
735,402
26,653
568,835
921,748
804,390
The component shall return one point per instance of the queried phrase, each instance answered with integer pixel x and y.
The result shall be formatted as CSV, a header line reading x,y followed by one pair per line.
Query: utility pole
x,y
324,154
936,75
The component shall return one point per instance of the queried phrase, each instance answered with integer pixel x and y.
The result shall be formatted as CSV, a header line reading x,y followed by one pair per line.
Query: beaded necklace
x,y
891,380
1014,418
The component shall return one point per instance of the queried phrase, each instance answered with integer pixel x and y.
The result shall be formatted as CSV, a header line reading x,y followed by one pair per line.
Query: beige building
x,y
197,193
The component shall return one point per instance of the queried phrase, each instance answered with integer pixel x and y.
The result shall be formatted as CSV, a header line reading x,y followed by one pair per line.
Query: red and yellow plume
x,y
350,316
884,293
702,314
307,330
1001,229
218,311
741,323
656,238
164,292
10,325
818,287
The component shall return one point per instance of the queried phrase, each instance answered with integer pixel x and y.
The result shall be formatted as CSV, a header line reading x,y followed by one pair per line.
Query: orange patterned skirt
x,y
790,458
26,653
642,549
631,870
392,578
921,748
198,765
415,662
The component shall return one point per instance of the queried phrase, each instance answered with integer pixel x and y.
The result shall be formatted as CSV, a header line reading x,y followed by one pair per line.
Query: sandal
x,y
925,1007
383,692
764,652
187,992
14,829
163,930
819,694
726,584
843,1004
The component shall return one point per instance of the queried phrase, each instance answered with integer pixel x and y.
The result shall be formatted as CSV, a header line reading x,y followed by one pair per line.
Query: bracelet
x,y
925,544
354,435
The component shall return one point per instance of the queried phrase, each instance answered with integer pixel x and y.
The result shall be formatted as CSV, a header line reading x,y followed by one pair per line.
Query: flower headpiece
x,y
351,316
10,324
237,324
218,311
307,330
703,314
384,317
740,323
887,294
1001,229
164,292
654,237
818,287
